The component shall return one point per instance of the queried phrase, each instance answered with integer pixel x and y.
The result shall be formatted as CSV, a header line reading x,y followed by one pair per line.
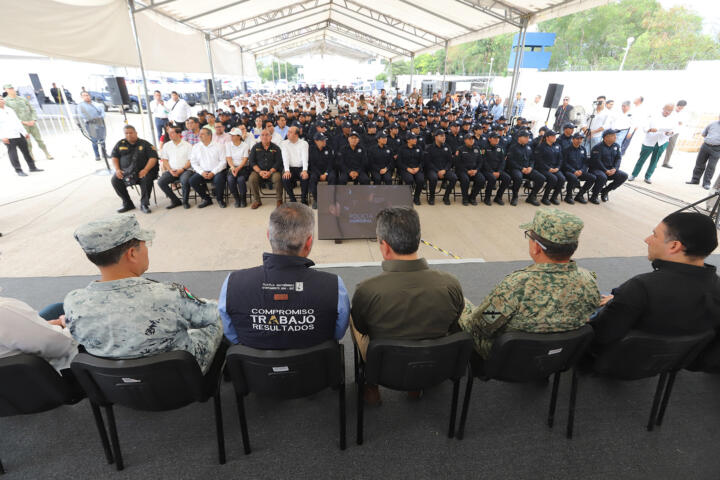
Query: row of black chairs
x,y
172,380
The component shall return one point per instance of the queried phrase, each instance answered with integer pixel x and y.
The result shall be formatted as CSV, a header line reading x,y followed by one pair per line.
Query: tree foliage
x,y
593,39
266,74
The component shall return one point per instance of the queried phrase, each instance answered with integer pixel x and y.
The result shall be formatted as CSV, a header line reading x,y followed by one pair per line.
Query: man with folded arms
x,y
208,161
681,296
408,301
284,303
551,295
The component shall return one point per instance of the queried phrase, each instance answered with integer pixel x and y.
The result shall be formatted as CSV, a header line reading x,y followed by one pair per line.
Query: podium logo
x,y
299,287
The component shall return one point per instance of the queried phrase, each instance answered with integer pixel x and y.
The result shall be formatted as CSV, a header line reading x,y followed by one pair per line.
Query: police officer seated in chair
x,y
494,169
680,296
175,157
439,161
284,303
575,168
552,295
520,165
381,160
410,164
124,315
351,162
548,161
136,163
321,162
469,166
605,160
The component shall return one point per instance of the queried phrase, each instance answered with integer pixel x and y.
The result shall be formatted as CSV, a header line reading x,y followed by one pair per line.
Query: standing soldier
x,y
27,115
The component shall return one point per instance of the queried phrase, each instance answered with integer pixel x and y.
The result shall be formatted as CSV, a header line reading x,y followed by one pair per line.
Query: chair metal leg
x,y
656,401
103,433
466,403
355,361
553,399
114,437
571,406
243,422
666,398
343,417
360,408
453,408
219,428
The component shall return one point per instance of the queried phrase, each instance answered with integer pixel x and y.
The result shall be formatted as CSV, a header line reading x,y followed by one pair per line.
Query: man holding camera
x,y
136,163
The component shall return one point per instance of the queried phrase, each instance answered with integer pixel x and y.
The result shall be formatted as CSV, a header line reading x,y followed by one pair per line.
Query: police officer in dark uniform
x,y
409,166
506,139
567,135
480,137
321,163
576,169
520,166
453,139
136,163
369,138
351,162
468,167
421,140
494,169
548,162
439,161
605,165
394,141
381,161
341,138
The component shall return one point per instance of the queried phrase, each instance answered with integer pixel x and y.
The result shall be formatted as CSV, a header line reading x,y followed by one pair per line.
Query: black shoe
x,y
667,166
569,200
594,200
499,201
580,197
473,201
221,203
604,196
186,205
145,209
693,182
126,208
314,205
533,201
544,201
416,201
173,205
513,200
293,199
237,203
205,203
446,200
554,200
706,187
465,202
431,201
36,169
487,201
243,203
21,173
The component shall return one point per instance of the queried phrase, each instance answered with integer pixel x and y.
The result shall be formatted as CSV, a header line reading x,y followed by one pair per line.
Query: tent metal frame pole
x,y
212,71
131,11
390,74
412,70
444,89
242,68
286,75
517,66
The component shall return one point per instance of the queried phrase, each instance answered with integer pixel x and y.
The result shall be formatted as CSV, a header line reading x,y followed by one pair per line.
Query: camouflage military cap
x,y
555,225
7,85
105,233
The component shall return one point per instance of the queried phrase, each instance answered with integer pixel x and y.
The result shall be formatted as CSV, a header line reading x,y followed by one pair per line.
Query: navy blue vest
x,y
283,303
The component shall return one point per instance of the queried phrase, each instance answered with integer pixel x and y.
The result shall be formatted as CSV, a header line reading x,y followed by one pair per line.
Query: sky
x,y
707,9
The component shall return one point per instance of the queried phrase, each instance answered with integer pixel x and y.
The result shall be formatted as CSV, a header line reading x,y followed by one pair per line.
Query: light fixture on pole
x,y
487,86
630,41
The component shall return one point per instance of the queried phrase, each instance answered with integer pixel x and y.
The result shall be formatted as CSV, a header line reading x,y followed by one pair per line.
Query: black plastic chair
x,y
532,357
287,374
31,385
413,365
643,355
166,381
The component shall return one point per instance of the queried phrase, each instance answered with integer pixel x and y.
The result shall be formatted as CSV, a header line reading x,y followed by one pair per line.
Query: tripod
x,y
713,213
588,132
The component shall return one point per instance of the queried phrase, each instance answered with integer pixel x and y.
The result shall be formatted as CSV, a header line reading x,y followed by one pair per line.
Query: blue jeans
x,y
160,126
52,311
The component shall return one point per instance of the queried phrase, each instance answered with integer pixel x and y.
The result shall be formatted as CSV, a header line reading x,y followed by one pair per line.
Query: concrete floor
x,y
39,213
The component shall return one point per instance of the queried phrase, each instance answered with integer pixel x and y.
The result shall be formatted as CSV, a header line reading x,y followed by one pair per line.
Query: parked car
x,y
102,97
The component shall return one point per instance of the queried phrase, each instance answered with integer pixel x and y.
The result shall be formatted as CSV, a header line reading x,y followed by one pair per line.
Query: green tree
x,y
266,74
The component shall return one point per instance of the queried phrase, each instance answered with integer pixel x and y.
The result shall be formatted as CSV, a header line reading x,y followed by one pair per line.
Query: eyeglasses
x,y
529,234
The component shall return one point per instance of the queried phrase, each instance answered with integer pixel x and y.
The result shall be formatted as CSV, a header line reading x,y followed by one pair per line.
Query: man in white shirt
x,y
295,164
175,158
14,136
596,124
640,118
657,133
220,137
159,112
622,122
178,110
208,161
23,330
680,117
533,112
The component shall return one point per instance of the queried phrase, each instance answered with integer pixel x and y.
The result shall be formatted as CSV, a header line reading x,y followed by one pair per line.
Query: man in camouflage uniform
x,y
126,316
552,295
27,115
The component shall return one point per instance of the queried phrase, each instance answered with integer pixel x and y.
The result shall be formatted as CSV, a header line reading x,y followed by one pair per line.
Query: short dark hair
x,y
158,91
681,103
177,129
560,252
695,231
112,256
399,227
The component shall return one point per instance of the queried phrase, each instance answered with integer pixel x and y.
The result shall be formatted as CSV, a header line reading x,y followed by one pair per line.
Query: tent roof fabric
x,y
392,29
